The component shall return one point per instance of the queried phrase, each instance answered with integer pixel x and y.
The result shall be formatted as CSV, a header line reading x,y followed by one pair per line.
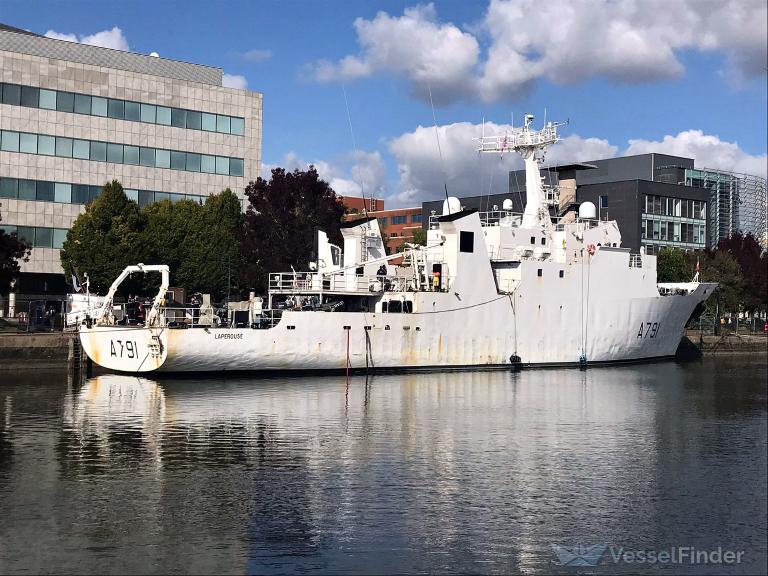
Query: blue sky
x,y
684,77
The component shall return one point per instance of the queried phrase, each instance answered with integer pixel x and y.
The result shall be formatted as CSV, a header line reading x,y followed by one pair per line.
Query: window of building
x,y
178,118
163,158
46,145
62,193
209,122
116,109
222,124
30,96
193,162
399,219
9,188
11,94
65,101
163,115
222,165
148,113
27,190
132,195
383,221
238,126
115,153
416,218
63,147
466,241
131,155
79,193
98,106
603,201
59,236
81,149
99,151
10,141
235,167
178,160
195,120
208,164
28,143
133,112
47,99
46,191
147,156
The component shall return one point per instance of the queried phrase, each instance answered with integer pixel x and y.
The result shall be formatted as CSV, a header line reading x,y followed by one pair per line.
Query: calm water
x,y
477,472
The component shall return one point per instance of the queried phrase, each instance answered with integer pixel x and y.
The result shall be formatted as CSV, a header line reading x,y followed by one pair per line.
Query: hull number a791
x,y
648,329
124,349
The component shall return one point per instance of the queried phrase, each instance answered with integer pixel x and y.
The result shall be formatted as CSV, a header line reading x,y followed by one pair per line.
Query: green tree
x,y
104,239
199,243
419,238
673,265
12,252
721,267
280,223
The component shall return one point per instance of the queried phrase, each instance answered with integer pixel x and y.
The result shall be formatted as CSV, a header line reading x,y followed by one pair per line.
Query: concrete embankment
x,y
34,351
732,344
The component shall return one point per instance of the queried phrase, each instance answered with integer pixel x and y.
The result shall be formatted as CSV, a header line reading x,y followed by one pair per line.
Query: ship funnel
x,y
587,211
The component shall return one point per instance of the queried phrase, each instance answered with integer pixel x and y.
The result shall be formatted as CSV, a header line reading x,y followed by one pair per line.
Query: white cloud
x,y
563,41
351,174
414,46
465,171
257,55
707,150
234,81
106,38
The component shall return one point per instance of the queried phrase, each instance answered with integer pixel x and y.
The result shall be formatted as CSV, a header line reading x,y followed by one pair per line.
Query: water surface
x,y
470,472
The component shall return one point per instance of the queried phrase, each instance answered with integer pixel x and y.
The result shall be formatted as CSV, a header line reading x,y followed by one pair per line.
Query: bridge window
x,y
466,241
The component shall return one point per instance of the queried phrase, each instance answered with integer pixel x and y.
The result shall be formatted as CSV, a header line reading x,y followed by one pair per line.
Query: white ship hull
x,y
486,335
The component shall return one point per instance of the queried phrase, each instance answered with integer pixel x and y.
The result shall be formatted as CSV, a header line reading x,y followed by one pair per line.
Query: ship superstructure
x,y
489,289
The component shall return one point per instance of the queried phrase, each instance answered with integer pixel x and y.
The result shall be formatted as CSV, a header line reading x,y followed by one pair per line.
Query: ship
x,y
489,290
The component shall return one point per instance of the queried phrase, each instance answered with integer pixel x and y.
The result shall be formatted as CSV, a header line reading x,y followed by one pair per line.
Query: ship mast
x,y
526,142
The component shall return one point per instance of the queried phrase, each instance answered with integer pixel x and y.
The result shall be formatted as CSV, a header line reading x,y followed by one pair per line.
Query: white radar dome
x,y
154,55
507,205
587,211
451,206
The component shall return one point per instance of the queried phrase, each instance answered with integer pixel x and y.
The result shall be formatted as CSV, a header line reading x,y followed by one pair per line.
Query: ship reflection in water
x,y
453,472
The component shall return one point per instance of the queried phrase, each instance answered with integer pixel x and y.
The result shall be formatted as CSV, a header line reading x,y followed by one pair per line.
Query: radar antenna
x,y
526,141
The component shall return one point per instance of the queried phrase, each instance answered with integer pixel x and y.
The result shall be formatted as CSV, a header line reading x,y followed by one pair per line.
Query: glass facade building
x,y
73,117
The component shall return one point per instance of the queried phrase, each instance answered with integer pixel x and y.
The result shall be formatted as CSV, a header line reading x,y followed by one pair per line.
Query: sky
x,y
384,98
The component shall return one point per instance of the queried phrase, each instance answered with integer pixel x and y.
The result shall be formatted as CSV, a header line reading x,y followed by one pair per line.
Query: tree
x,y
419,238
12,251
753,264
672,265
104,239
721,267
281,221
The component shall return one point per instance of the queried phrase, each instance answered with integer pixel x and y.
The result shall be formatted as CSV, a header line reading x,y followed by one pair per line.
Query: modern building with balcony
x,y
73,117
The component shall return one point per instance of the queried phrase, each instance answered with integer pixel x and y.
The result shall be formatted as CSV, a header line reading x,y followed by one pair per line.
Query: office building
x,y
73,117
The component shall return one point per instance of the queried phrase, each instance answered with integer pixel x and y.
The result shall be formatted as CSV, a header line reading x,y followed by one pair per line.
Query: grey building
x,y
73,117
